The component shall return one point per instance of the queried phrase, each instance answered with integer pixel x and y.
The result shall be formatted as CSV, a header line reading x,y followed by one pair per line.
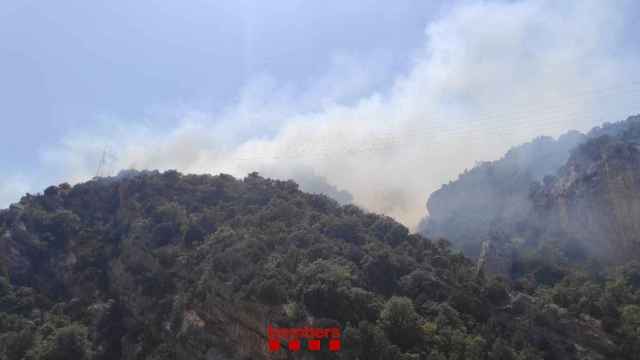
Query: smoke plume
x,y
490,75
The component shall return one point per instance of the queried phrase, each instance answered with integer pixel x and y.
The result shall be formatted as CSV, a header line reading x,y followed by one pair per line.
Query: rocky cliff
x,y
586,195
595,197
466,210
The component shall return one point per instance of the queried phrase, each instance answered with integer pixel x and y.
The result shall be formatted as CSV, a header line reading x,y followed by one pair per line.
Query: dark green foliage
x,y
168,266
401,322
69,342
501,351
271,292
497,291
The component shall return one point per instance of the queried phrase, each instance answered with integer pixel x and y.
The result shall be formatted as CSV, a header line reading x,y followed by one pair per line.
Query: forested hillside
x,y
168,266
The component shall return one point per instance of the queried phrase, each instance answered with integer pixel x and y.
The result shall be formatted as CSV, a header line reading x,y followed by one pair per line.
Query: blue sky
x,y
289,87
68,65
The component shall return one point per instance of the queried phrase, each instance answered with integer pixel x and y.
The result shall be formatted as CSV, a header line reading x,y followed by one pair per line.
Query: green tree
x,y
501,351
69,342
631,320
630,316
401,322
474,347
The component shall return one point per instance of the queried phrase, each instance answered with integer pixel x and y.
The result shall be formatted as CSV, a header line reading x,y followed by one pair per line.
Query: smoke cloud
x,y
489,76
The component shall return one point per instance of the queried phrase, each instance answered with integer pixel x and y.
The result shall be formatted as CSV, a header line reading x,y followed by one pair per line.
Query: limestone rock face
x,y
466,210
596,198
587,194
496,258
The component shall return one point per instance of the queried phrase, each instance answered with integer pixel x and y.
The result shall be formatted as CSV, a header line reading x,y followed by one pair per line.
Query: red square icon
x,y
334,344
314,345
274,345
294,345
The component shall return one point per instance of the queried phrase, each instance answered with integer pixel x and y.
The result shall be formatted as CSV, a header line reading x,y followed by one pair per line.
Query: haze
x,y
384,101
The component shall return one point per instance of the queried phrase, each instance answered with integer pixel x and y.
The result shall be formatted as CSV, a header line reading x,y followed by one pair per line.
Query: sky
x,y
381,101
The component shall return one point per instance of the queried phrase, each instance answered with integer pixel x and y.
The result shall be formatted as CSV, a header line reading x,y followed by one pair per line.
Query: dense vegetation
x,y
169,266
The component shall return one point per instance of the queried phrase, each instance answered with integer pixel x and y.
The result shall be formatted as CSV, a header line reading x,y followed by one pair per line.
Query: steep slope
x,y
466,210
595,197
169,266
585,194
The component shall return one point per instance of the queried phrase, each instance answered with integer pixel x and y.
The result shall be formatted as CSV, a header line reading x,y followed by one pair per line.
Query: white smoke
x,y
490,75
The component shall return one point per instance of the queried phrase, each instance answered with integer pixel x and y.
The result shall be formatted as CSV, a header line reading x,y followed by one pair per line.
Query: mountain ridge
x,y
154,265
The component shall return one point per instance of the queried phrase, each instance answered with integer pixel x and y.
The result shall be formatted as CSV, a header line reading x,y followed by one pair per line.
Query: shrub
x,y
401,322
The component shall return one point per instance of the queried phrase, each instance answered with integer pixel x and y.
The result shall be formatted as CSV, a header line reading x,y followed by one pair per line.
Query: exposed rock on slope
x,y
586,196
466,210
595,197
